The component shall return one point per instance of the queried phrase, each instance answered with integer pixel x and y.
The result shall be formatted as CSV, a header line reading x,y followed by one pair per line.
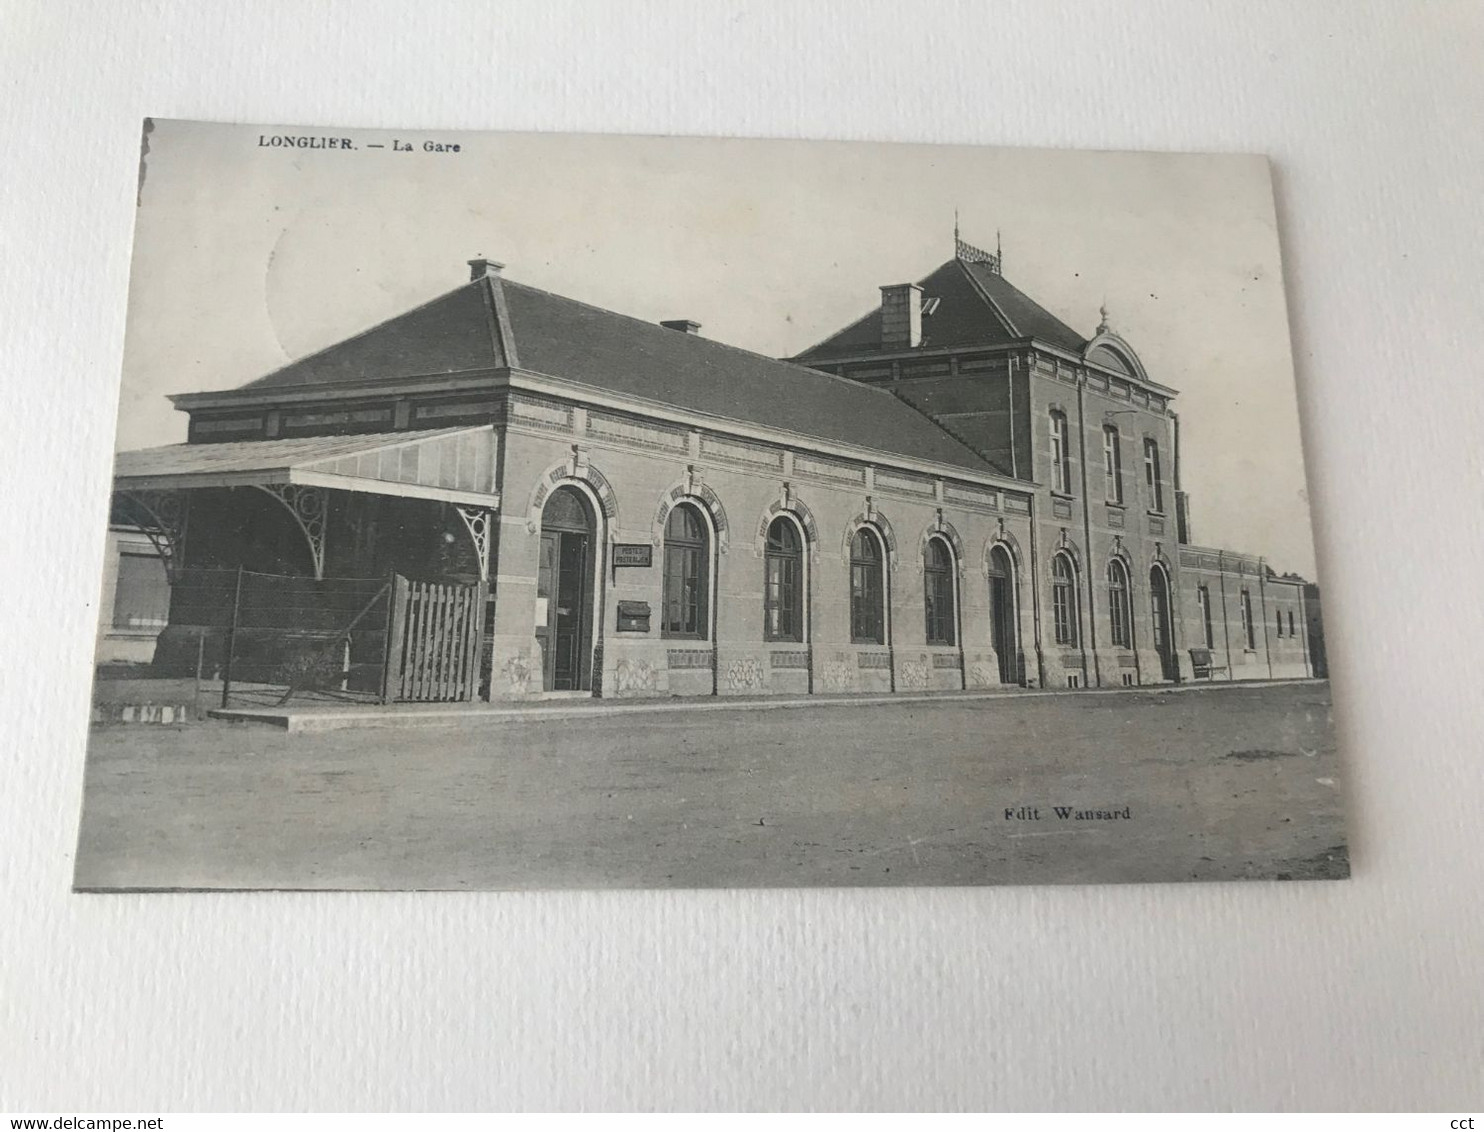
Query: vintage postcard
x,y
500,511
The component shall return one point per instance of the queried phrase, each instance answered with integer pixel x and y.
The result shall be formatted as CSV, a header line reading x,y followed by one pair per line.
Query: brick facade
x,y
674,428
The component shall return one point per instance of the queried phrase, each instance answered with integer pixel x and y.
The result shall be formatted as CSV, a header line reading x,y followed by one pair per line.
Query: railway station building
x,y
956,491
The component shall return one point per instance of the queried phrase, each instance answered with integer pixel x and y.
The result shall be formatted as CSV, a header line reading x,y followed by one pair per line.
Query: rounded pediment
x,y
1103,356
1110,352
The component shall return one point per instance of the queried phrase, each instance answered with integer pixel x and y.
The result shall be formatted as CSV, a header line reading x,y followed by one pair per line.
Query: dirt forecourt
x,y
1214,783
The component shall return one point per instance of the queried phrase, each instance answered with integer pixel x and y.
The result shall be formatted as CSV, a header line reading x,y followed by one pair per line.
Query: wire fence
x,y
274,637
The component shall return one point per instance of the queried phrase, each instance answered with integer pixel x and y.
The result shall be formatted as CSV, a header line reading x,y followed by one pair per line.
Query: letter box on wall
x,y
633,617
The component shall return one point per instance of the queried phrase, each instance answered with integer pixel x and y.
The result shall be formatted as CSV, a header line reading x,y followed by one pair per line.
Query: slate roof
x,y
977,306
565,338
451,334
560,337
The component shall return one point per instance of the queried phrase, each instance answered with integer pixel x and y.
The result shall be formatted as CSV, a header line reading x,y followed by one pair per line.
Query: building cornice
x,y
551,386
337,391
1008,349
547,385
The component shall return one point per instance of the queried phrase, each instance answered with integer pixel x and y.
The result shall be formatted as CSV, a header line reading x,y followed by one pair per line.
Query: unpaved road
x,y
1218,783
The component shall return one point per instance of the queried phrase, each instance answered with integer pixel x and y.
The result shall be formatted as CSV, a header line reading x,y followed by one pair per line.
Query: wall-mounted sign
x,y
633,554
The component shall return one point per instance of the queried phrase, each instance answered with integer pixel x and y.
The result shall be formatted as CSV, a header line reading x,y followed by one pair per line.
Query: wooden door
x,y
567,615
545,575
1159,596
1002,617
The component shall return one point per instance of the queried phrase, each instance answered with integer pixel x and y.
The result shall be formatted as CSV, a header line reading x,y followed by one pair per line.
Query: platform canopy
x,y
451,465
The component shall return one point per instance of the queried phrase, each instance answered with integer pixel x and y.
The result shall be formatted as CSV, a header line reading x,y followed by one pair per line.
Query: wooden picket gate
x,y
434,643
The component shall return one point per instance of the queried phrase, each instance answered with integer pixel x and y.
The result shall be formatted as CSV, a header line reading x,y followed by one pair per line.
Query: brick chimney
x,y
484,268
901,316
684,325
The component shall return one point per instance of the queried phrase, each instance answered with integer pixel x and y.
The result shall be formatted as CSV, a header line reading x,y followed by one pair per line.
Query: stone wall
x,y
1094,530
1279,646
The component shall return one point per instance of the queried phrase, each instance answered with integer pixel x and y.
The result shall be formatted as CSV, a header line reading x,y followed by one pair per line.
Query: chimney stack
x,y
684,325
901,316
482,268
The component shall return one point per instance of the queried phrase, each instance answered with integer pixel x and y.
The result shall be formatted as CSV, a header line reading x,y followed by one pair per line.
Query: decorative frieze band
x,y
873,660
738,453
338,417
445,409
541,414
1220,560
971,497
939,368
920,486
637,432
230,425
979,365
947,660
690,658
790,659
829,470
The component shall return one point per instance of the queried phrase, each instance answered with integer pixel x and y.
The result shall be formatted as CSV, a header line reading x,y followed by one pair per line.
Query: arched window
x,y
1290,622
1118,606
1064,600
687,559
937,571
783,583
1248,631
867,589
1061,457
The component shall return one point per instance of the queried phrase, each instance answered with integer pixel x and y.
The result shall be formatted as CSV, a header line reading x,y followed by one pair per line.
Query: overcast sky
x,y
248,256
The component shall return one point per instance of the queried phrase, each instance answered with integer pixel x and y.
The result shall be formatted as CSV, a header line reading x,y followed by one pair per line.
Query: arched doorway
x,y
565,585
1002,614
1164,644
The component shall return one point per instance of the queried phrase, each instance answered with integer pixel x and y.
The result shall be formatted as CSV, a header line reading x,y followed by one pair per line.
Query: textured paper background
x,y
1365,994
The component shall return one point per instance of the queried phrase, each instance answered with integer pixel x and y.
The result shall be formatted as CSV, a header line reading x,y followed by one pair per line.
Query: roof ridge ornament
x,y
1103,316
967,253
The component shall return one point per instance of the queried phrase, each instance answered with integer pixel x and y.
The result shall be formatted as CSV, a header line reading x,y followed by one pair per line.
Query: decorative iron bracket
x,y
307,506
163,515
477,521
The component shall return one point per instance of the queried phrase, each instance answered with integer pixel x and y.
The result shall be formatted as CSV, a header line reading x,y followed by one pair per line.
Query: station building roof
x,y
492,323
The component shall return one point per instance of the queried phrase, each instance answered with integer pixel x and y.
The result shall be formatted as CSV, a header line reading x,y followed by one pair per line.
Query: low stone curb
x,y
304,720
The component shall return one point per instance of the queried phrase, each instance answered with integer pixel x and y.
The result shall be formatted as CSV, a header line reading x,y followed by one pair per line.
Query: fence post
x,y
396,616
476,650
231,640
200,663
